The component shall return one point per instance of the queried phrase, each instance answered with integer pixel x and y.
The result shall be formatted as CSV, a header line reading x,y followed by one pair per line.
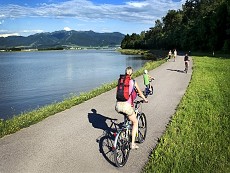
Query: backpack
x,y
123,88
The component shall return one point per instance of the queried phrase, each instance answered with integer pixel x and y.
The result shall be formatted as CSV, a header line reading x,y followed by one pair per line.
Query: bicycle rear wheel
x,y
186,67
142,128
121,153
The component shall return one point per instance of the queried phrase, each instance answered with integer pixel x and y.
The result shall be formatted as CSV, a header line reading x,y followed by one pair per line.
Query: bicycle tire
x,y
186,68
142,128
121,153
151,91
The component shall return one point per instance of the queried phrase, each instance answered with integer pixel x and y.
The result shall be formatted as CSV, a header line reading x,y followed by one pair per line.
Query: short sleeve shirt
x,y
146,79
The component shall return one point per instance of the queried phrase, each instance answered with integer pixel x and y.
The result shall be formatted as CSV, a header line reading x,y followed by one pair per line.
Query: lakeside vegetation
x,y
13,49
198,136
29,118
147,54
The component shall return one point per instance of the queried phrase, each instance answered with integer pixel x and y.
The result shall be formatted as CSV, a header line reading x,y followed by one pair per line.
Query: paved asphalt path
x,y
74,141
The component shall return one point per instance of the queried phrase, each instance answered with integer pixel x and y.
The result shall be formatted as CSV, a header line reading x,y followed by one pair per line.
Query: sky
x,y
27,17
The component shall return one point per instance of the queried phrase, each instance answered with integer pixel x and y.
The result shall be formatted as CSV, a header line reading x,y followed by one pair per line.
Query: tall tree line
x,y
200,25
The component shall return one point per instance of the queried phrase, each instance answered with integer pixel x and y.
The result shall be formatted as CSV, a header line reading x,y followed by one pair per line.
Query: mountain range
x,y
62,39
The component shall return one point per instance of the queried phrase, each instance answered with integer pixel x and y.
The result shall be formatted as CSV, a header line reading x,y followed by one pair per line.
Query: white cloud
x,y
2,15
67,29
130,13
138,4
146,11
7,35
33,31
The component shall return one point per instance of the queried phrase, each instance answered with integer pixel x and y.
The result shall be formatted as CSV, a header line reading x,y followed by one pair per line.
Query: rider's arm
x,y
140,92
151,78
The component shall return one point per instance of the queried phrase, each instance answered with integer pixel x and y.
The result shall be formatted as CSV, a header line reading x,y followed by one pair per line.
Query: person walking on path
x,y
169,55
174,55
127,106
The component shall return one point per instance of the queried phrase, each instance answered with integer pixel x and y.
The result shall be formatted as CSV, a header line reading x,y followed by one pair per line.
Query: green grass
x,y
198,136
28,118
146,54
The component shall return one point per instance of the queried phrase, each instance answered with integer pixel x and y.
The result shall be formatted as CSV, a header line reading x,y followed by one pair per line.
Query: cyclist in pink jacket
x,y
127,106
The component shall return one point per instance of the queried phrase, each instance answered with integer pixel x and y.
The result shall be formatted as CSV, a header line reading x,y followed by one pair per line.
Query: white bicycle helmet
x,y
146,71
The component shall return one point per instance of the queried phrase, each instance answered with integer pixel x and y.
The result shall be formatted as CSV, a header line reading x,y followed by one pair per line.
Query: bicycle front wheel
x,y
122,149
142,128
151,92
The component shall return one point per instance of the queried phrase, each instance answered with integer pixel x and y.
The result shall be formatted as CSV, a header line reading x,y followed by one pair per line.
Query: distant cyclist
x,y
186,60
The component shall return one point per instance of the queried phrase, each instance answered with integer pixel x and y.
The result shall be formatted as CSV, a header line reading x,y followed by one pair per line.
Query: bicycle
x,y
148,90
123,137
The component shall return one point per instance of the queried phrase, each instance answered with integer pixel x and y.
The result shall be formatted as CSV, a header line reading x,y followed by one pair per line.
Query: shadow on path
x,y
99,121
180,71
105,140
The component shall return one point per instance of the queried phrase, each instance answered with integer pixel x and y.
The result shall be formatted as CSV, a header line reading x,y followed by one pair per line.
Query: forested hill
x,y
62,39
200,25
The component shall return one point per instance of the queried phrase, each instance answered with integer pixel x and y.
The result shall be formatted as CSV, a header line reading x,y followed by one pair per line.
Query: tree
x,y
200,25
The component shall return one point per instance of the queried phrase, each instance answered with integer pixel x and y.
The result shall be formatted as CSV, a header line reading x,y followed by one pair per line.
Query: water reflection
x,y
69,70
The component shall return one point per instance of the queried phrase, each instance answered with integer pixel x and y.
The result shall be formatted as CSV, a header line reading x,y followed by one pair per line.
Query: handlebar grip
x,y
139,101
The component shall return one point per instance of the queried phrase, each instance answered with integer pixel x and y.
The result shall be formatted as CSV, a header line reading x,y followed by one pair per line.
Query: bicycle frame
x,y
148,89
123,138
127,125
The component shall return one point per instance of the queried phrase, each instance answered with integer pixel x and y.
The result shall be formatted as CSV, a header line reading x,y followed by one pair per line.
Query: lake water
x,y
29,80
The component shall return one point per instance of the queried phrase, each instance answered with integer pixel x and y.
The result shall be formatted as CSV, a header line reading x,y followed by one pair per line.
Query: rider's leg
x,y
127,109
148,86
134,129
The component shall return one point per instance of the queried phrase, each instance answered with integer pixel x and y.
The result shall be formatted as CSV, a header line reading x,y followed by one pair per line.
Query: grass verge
x,y
147,54
198,136
26,119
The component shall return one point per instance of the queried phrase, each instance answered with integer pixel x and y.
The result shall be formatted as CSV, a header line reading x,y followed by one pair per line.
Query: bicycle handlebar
x,y
151,79
139,101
